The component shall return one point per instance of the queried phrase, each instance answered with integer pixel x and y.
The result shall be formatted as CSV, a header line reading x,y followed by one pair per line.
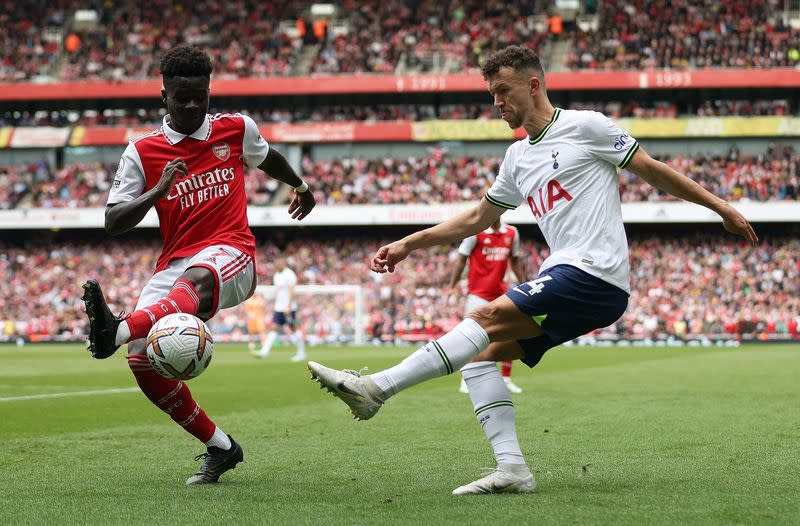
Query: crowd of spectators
x,y
701,284
400,112
438,177
771,175
688,34
259,39
448,36
81,185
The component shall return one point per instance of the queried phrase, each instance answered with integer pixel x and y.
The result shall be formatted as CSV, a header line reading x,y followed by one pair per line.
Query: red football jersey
x,y
489,252
209,206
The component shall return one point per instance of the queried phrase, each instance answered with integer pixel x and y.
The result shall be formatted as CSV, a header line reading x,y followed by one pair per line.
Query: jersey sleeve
x,y
467,246
129,181
254,147
608,142
291,278
504,192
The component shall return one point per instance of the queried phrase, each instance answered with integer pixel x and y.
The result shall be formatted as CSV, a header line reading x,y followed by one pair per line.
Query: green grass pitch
x,y
615,436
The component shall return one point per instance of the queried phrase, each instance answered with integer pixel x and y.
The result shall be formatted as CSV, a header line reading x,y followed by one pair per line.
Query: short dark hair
x,y
185,61
514,57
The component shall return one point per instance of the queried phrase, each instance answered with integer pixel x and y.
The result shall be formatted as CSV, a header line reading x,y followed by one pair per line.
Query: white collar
x,y
201,134
491,230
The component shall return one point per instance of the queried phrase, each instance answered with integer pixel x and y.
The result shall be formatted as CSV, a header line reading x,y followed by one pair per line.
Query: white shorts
x,y
235,280
473,302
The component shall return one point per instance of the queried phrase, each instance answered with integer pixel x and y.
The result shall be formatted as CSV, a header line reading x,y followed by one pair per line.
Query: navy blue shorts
x,y
566,302
280,318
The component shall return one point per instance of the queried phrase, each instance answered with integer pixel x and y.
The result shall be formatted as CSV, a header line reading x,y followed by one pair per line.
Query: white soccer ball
x,y
180,346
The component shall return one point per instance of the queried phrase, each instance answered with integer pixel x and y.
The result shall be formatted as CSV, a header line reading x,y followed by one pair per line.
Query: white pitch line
x,y
73,393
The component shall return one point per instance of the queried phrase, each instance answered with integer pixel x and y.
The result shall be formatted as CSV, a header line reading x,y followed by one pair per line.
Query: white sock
x,y
268,342
123,333
437,358
494,410
301,345
219,439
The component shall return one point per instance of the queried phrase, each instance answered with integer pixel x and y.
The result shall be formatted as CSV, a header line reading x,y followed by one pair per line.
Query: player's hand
x,y
301,204
169,176
735,223
388,256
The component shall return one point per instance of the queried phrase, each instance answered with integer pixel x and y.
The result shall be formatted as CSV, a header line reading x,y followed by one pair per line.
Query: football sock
x,y
505,368
300,343
494,410
172,397
182,298
437,358
269,342
219,439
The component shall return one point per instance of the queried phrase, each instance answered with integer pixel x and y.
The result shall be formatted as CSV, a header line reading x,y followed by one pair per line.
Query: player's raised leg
x,y
500,320
107,332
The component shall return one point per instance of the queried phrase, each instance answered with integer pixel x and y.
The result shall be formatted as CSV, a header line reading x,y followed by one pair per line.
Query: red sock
x,y
172,397
182,298
505,368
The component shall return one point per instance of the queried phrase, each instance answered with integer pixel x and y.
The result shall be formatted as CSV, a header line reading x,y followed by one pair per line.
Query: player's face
x,y
187,102
512,95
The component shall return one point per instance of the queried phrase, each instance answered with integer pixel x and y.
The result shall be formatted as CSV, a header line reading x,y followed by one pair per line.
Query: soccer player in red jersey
x,y
489,253
192,171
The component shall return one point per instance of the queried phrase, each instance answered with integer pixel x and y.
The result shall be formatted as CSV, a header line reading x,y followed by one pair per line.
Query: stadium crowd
x,y
701,284
400,112
439,177
258,39
687,34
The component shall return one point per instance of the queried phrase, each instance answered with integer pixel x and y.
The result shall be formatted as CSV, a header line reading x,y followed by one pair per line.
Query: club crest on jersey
x,y
222,151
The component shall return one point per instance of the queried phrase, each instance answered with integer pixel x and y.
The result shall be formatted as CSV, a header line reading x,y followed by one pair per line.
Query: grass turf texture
x,y
615,436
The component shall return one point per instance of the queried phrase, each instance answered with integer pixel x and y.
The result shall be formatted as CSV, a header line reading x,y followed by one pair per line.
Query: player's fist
x,y
735,223
170,175
388,256
301,205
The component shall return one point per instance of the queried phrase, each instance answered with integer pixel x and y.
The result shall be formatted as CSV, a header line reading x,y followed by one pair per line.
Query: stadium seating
x,y
647,34
440,177
708,284
399,112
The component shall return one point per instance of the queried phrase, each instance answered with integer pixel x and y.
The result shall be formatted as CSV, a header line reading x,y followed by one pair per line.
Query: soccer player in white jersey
x,y
489,254
192,170
565,171
284,317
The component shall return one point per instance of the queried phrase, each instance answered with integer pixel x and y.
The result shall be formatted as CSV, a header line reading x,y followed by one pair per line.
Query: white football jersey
x,y
284,281
567,176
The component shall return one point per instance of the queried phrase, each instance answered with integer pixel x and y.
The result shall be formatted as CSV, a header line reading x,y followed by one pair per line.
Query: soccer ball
x,y
180,346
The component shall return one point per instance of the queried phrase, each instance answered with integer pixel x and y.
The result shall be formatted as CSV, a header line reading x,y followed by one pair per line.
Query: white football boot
x,y
512,387
505,478
358,392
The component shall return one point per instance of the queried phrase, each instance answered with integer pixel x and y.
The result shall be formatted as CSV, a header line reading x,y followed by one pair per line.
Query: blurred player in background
x,y
489,253
191,169
565,171
284,318
256,312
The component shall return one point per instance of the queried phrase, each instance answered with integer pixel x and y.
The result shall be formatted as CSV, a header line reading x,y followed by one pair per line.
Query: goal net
x,y
325,313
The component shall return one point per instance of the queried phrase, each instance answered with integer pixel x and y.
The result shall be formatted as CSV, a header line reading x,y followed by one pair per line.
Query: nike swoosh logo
x,y
341,387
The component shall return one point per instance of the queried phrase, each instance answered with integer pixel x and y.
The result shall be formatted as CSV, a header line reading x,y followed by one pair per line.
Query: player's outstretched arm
x,y
661,176
276,166
121,217
456,228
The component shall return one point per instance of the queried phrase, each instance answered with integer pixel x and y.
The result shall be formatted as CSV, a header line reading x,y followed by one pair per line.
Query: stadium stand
x,y
647,34
440,177
401,112
734,289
